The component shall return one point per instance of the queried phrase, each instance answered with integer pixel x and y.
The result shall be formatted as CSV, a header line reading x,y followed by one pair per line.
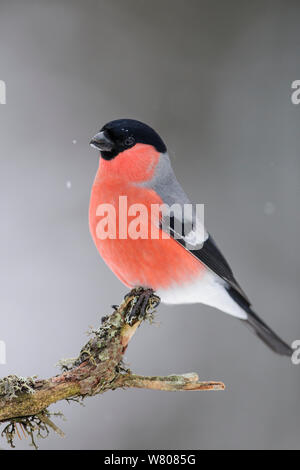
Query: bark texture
x,y
97,369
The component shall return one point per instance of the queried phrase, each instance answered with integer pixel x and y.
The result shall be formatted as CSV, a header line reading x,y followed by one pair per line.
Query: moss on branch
x,y
97,369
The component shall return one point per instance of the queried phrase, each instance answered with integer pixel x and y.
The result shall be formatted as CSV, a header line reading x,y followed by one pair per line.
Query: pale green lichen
x,y
99,347
37,426
104,350
66,364
12,386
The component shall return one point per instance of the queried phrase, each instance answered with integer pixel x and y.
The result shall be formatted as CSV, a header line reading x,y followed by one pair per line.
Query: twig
x,y
97,369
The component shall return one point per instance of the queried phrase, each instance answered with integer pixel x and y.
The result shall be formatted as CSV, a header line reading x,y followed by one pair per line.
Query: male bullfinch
x,y
134,162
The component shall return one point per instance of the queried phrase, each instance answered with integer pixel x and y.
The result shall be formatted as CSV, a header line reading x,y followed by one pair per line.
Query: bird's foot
x,y
142,305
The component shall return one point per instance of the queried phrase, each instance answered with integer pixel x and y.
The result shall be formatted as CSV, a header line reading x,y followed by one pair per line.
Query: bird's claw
x,y
142,305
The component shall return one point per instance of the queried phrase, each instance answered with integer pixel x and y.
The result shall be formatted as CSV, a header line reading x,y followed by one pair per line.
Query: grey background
x,y
214,78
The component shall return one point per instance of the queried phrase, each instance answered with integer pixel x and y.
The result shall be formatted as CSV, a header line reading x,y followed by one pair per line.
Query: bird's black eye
x,y
129,141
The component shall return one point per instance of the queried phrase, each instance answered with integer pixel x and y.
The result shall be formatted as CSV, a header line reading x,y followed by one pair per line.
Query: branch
x,y
97,369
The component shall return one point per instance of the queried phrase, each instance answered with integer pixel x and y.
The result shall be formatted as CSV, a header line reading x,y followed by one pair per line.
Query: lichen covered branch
x,y
97,369
169,383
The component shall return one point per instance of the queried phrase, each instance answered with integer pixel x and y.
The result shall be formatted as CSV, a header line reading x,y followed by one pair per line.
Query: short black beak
x,y
102,142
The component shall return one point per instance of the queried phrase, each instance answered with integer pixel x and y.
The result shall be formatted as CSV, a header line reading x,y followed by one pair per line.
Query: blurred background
x,y
214,79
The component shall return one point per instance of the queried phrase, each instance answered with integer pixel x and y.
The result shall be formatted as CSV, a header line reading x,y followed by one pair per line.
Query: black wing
x,y
210,255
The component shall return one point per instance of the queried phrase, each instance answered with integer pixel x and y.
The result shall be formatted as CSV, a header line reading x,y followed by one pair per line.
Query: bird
x,y
182,267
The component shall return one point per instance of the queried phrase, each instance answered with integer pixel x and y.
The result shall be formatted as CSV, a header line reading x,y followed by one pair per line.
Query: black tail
x,y
268,336
260,328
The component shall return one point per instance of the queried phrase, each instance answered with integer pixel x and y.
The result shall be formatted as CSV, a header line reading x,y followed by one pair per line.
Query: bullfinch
x,y
181,267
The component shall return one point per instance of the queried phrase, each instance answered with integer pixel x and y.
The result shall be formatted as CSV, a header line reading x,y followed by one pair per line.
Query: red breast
x,y
155,263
